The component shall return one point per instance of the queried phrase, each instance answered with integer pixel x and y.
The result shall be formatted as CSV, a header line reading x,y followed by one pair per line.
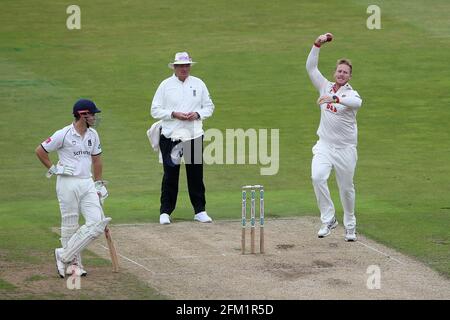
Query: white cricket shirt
x,y
174,95
338,126
74,150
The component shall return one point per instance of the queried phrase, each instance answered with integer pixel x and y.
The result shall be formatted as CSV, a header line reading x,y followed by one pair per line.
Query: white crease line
x,y
376,250
132,261
186,257
147,269
131,224
189,221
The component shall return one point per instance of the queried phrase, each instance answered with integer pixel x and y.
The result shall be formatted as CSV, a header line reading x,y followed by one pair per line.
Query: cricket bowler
x,y
336,147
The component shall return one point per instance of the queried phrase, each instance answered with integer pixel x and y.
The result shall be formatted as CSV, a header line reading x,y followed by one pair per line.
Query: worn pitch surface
x,y
190,260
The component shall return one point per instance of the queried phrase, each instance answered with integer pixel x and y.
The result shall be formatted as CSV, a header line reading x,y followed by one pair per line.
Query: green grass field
x,y
251,54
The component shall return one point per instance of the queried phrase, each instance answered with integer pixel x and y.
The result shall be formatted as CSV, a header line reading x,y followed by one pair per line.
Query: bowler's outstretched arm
x,y
317,79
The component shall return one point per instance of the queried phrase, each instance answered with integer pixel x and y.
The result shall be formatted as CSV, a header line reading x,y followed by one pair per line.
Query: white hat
x,y
181,58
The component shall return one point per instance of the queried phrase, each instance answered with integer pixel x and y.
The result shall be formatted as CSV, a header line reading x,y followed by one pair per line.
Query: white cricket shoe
x,y
202,217
60,266
350,235
164,218
326,228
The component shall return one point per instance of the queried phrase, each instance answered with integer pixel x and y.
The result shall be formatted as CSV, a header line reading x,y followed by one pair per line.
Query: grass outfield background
x,y
251,54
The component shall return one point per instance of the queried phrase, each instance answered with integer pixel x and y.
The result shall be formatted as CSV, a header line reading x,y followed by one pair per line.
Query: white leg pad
x,y
78,260
69,225
82,238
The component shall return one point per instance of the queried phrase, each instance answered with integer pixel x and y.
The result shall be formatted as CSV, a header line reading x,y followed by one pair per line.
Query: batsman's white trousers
x,y
76,195
343,160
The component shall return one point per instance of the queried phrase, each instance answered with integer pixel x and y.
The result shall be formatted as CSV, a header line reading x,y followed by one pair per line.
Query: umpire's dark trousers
x,y
192,152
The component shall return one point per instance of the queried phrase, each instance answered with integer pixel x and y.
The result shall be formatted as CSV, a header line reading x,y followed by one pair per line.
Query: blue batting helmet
x,y
85,105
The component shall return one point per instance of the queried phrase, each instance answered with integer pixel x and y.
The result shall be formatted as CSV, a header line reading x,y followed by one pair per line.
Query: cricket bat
x,y
109,240
112,250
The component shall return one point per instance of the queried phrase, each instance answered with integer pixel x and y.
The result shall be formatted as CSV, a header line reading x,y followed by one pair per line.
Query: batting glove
x,y
100,186
62,170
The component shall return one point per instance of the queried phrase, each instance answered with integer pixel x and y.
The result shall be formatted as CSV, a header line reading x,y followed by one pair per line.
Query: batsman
x,y
336,148
79,150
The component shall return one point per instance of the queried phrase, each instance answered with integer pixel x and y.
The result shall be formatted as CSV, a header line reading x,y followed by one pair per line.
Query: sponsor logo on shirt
x,y
331,107
48,140
194,93
89,143
79,153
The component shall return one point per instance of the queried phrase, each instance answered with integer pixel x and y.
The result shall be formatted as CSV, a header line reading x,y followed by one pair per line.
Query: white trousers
x,y
343,161
76,196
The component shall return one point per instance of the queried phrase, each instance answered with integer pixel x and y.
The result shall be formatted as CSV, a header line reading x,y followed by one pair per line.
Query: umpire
x,y
182,102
